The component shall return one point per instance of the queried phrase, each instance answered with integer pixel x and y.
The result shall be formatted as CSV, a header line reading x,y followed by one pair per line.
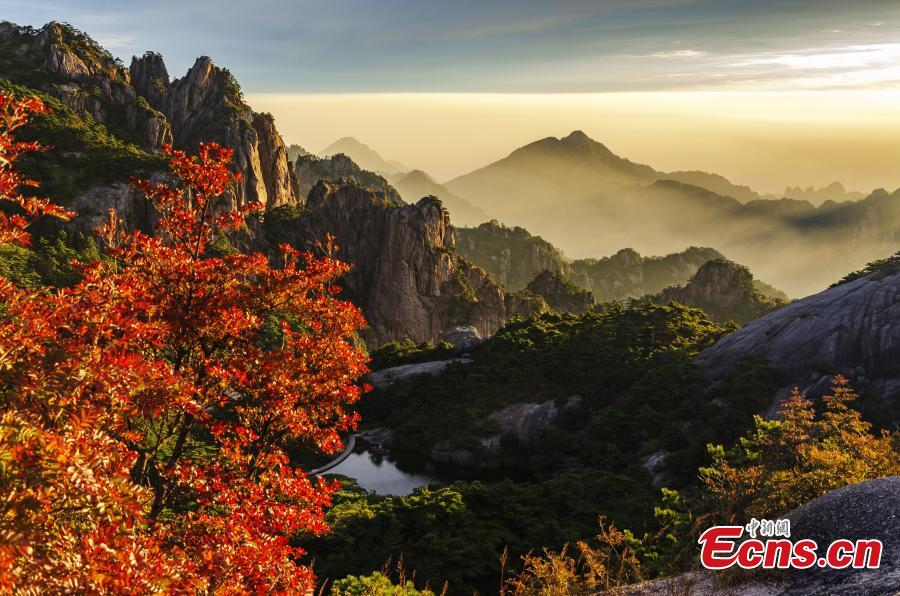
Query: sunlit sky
x,y
767,93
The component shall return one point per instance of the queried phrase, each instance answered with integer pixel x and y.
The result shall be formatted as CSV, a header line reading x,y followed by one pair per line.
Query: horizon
x,y
814,145
812,87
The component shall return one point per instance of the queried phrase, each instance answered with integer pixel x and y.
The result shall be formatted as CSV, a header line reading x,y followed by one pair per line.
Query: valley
x,y
558,344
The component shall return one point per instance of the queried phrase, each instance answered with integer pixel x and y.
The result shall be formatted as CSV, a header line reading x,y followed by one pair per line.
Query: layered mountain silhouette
x,y
833,192
585,199
417,184
365,156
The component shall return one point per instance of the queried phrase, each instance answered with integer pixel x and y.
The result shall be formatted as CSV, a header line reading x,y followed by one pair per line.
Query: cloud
x,y
679,54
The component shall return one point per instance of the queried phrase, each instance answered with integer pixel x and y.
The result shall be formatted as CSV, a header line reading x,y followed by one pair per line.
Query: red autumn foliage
x,y
146,410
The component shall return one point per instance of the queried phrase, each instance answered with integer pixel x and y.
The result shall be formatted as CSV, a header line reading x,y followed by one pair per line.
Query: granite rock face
x,y
281,184
141,105
85,78
406,372
867,510
463,338
405,275
850,329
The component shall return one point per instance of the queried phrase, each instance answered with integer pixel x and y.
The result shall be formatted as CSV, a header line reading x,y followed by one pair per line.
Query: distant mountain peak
x,y
578,136
363,155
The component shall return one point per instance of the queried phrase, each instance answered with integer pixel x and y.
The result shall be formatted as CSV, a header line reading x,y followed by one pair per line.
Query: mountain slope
x,y
849,329
584,199
513,257
132,112
405,275
110,122
724,290
365,156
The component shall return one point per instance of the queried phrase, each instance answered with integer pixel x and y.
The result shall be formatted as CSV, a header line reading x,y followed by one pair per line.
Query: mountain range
x,y
579,195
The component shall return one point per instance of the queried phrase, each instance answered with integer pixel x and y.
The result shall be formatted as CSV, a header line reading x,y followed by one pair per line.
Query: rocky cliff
x,y
110,123
406,276
309,170
140,105
725,290
207,105
511,255
849,329
67,64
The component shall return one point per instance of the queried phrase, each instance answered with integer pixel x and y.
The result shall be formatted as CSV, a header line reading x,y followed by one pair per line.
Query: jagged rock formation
x,y
206,105
849,329
627,274
405,275
725,290
417,184
141,105
281,183
309,170
561,294
72,67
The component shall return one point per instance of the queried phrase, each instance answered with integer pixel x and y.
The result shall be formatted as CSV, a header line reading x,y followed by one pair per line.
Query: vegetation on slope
x,y
724,290
82,153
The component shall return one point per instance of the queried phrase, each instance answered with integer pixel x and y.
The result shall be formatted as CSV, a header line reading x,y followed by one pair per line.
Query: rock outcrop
x,y
406,372
725,290
309,170
863,511
64,62
849,329
405,276
281,184
205,105
141,105
513,256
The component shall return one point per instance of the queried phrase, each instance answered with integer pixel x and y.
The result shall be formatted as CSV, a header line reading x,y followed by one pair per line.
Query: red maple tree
x,y
146,410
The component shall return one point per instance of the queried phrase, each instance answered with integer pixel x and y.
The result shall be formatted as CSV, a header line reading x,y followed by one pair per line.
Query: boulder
x,y
463,338
849,329
448,452
867,510
405,372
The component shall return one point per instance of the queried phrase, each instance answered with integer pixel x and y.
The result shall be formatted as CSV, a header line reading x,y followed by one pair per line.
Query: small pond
x,y
393,473
381,474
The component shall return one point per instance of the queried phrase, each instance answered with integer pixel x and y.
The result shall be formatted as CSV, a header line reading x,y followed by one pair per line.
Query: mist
x,y
767,141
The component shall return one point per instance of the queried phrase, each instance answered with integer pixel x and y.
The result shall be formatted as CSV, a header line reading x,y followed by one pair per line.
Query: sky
x,y
767,93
